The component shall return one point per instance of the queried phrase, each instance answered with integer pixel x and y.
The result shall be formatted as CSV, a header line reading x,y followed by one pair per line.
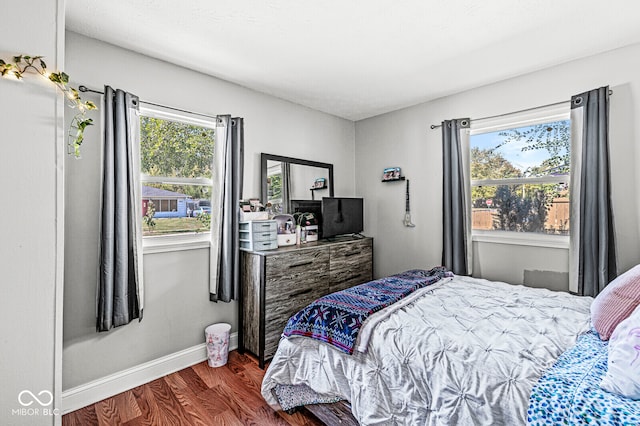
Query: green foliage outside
x,y
522,208
148,219
274,186
175,225
173,149
554,137
488,164
205,221
518,213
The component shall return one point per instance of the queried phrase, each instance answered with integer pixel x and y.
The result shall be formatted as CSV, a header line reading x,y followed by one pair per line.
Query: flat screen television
x,y
341,215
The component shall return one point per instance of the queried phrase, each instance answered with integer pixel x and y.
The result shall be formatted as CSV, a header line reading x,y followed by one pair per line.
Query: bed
x,y
458,350
569,392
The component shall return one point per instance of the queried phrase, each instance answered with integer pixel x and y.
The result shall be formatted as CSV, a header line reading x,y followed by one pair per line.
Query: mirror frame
x,y
263,170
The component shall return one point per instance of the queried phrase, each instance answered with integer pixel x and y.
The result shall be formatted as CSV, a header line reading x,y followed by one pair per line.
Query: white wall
x,y
403,138
177,307
30,248
303,178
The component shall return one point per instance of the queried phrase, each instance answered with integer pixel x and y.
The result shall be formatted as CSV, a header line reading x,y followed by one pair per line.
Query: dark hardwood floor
x,y
198,395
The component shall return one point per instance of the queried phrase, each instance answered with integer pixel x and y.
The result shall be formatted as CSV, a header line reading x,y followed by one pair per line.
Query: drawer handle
x,y
349,278
266,234
353,253
265,225
300,293
295,265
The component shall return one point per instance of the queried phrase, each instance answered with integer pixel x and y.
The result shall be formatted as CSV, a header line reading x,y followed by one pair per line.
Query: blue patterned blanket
x,y
569,393
337,317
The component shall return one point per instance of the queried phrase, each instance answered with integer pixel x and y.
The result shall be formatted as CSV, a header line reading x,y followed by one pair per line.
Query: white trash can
x,y
217,337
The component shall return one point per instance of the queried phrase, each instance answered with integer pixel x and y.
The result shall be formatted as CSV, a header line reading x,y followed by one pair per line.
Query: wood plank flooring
x,y
198,395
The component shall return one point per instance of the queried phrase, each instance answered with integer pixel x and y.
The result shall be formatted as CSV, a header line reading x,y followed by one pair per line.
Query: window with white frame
x,y
176,159
520,168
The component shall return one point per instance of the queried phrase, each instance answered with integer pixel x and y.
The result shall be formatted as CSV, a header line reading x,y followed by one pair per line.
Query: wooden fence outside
x,y
557,221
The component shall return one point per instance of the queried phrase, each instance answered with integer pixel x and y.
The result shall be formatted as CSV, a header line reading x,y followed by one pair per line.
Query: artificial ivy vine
x,y
23,63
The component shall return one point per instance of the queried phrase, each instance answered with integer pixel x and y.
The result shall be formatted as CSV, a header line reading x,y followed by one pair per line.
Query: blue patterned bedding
x,y
569,392
337,317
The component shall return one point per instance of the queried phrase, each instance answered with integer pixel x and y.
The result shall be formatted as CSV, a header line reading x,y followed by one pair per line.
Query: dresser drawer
x,y
350,264
258,236
252,226
350,278
276,284
293,280
296,265
279,309
258,230
258,245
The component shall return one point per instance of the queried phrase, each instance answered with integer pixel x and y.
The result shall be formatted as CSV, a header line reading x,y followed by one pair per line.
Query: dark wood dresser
x,y
276,284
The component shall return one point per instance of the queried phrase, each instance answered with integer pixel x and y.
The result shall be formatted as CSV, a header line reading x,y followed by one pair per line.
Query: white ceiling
x,y
360,58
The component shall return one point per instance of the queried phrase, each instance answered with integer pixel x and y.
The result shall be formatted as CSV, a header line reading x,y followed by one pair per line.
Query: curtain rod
x,y
435,126
86,89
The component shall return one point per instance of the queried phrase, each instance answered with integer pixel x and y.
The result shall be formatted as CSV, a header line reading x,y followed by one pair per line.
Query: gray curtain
x,y
456,244
593,251
286,186
119,295
225,209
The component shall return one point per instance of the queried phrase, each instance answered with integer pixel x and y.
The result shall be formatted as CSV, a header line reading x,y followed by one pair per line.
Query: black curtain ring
x,y
578,100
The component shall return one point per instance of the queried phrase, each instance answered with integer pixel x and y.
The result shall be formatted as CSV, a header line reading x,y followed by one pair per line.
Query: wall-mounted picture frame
x,y
391,173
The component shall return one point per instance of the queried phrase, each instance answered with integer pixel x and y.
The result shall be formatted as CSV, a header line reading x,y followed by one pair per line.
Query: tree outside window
x,y
519,179
176,160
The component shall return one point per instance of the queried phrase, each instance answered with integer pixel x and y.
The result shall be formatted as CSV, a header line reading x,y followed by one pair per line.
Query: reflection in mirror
x,y
307,182
275,186
286,178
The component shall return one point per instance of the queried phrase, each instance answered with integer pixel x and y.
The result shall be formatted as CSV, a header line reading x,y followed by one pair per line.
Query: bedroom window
x,y
520,175
176,158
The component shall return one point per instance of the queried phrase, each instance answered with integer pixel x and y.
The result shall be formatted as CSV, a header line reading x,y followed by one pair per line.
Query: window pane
x,y
541,208
173,149
172,209
532,151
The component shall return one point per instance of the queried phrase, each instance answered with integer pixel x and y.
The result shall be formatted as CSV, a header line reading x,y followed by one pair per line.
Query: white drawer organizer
x,y
259,235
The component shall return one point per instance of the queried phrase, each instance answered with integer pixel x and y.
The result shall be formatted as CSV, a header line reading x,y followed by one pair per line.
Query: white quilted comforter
x,y
465,351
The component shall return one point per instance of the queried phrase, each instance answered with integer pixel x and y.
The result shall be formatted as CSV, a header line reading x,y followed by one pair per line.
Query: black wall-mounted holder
x,y
394,180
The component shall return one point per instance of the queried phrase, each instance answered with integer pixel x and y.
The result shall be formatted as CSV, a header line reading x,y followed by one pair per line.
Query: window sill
x,y
521,239
170,243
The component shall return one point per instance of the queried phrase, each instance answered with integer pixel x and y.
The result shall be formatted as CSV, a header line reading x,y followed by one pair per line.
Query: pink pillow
x,y
616,302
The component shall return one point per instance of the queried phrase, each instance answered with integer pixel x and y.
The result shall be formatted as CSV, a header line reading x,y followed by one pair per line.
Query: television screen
x,y
341,215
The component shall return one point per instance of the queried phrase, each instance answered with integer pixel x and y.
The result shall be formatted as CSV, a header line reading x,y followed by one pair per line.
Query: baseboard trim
x,y
97,390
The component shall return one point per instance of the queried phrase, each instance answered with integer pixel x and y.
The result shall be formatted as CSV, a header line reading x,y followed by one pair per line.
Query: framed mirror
x,y
285,179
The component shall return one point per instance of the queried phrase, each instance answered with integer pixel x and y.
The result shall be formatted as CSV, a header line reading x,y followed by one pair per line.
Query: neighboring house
x,y
166,203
